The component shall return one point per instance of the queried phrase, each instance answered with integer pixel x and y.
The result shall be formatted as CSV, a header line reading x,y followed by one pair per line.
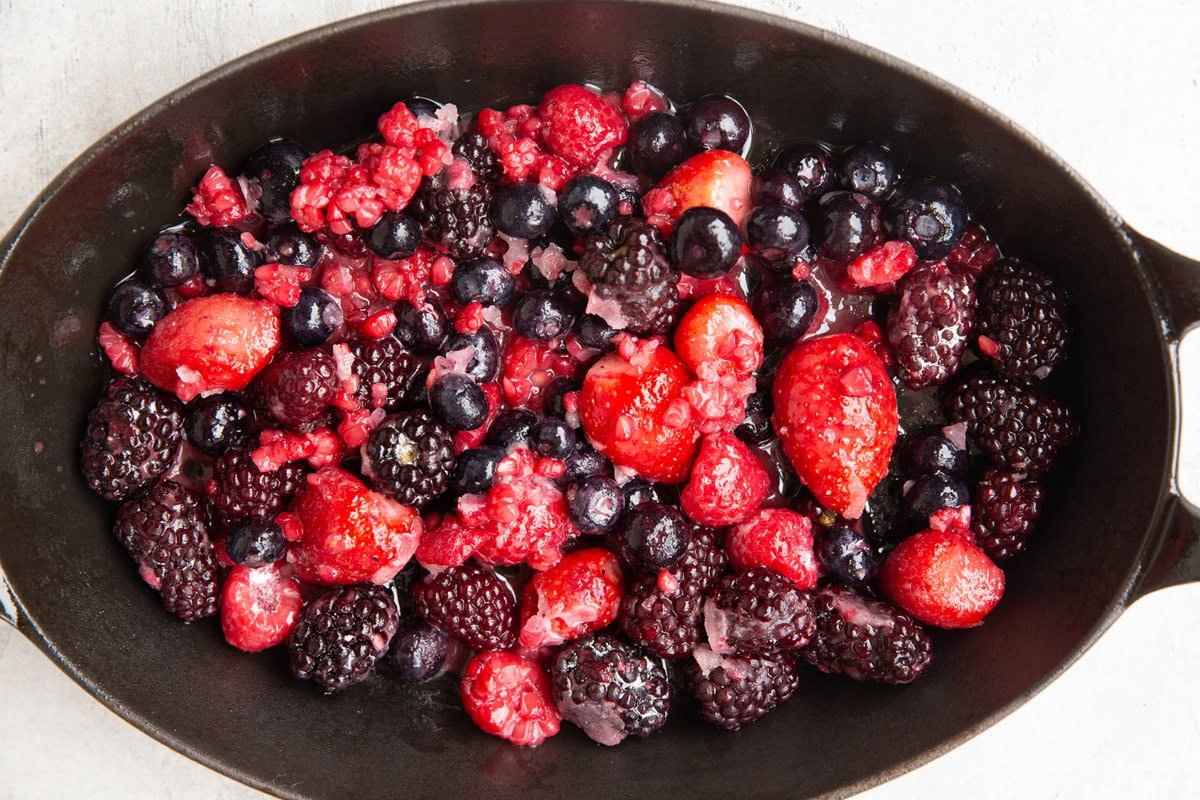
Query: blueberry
x,y
847,557
552,438
422,330
931,493
275,168
554,396
778,187
756,427
396,235
485,359
811,164
928,214
217,423
786,310
718,122
592,331
172,259
543,315
135,307
595,504
417,653
869,169
459,402
256,543
521,211
422,107
653,536
777,235
587,204
289,245
640,490
228,262
927,450
583,461
474,470
704,243
511,428
658,142
313,319
848,224
482,280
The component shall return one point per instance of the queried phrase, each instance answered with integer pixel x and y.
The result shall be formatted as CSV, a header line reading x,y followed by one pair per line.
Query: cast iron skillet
x,y
1116,527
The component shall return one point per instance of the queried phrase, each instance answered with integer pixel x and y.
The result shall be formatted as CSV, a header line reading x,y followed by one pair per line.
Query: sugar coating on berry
x,y
510,697
777,539
578,595
728,482
942,579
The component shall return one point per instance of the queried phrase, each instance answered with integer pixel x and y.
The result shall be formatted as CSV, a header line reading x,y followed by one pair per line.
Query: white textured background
x,y
1114,88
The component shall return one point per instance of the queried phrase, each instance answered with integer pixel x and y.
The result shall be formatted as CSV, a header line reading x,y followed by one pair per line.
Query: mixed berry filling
x,y
581,405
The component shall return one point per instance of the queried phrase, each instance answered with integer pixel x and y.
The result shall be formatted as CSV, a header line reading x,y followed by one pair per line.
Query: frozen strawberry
x,y
728,482
720,331
835,413
259,607
578,595
209,344
942,579
510,697
715,179
776,539
578,125
351,534
633,412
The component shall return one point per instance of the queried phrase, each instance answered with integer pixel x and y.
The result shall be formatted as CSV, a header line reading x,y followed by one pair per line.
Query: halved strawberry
x,y
510,697
835,413
259,607
942,579
728,482
721,332
578,124
715,178
578,595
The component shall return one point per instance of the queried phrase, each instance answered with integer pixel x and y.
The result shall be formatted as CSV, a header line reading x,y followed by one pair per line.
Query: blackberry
x,y
1022,320
733,692
610,689
473,148
164,532
628,267
1005,509
667,625
388,363
703,563
296,387
410,457
132,436
1017,426
239,491
929,323
341,635
456,221
757,612
471,603
975,252
867,640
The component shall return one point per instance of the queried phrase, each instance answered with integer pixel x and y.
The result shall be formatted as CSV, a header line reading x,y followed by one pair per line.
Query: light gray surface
x,y
1114,90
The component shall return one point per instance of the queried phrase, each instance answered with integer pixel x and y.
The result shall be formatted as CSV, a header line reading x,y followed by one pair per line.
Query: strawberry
x,y
835,413
715,178
578,595
351,534
942,579
720,332
510,697
210,343
632,411
728,482
578,125
777,539
259,607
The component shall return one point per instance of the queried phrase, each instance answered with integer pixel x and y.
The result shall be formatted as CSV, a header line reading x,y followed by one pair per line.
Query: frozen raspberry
x,y
1022,320
259,607
448,542
1004,510
385,370
728,482
409,457
132,437
239,490
757,612
576,596
867,640
942,579
733,692
881,266
777,539
633,287
341,635
217,200
929,325
297,386
470,603
510,697
528,367
281,284
578,124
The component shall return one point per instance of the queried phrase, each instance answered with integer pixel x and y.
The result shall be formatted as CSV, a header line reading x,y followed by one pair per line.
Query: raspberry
x,y
510,697
448,542
1022,320
733,692
942,579
777,539
473,148
471,603
297,386
578,595
757,612
881,266
238,490
668,625
165,533
728,482
975,252
259,607
456,221
281,284
1005,508
867,640
528,367
610,689
633,285
383,363
929,324
341,635
132,437
578,124
217,200
409,457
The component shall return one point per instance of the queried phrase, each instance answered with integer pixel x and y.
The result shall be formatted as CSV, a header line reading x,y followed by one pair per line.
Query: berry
x,y
421,329
880,266
473,148
733,692
341,635
552,438
930,323
756,427
297,386
275,169
383,363
471,603
835,413
350,534
587,204
942,579
786,310
666,624
1005,509
658,143
653,536
931,493
209,343
396,236
217,423
718,122
867,640
578,124
459,402
719,334
728,482
474,470
929,215
928,450
756,613
409,457
173,258
775,186
521,211
228,262
132,437
1022,320
511,427
846,557
578,595
555,399
418,651
314,318
217,200
811,165
610,689
259,607
239,491
777,235
584,461
595,503
714,178
255,543
704,243
456,221
134,307
482,280
510,697
530,368
632,281
640,490
292,246
869,169
847,224
543,315
975,253
776,539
